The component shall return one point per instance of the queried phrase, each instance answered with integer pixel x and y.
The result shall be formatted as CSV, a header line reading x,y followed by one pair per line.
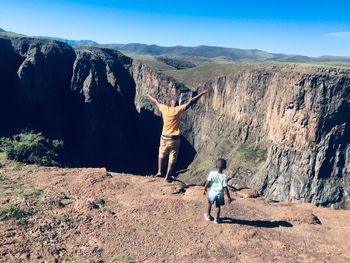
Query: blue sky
x,y
295,27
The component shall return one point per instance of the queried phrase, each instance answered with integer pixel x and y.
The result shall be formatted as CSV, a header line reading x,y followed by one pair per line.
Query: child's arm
x,y
228,195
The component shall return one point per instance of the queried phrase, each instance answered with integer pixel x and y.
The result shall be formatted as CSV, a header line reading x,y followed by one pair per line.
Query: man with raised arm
x,y
170,138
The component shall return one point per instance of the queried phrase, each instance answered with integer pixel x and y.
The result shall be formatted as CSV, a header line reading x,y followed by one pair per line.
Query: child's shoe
x,y
217,221
208,217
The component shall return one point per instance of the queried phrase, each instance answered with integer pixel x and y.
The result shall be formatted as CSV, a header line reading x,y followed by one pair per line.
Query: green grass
x,y
108,210
123,257
6,191
251,153
65,201
335,64
17,189
3,155
3,177
76,261
16,213
15,165
212,68
33,192
197,76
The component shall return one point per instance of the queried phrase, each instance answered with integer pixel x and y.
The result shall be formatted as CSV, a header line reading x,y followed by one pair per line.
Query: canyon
x,y
283,127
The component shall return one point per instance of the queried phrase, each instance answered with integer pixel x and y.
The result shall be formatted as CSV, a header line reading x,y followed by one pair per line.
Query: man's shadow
x,y
256,223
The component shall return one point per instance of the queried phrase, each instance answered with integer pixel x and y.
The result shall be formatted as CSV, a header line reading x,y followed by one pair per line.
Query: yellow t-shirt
x,y
171,119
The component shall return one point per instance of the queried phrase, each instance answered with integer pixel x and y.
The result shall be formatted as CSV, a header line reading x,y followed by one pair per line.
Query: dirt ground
x,y
89,215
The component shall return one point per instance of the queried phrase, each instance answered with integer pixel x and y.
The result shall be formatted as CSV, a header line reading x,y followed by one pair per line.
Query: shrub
x,y
17,213
32,148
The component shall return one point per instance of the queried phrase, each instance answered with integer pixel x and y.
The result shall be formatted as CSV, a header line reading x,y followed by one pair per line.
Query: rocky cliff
x,y
284,128
84,96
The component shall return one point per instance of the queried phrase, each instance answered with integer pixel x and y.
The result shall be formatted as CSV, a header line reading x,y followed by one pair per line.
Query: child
x,y
217,182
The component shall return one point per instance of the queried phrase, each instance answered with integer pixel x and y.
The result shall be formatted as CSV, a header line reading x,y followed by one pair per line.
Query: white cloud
x,y
339,35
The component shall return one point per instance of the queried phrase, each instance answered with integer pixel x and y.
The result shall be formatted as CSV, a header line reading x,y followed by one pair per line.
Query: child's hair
x,y
222,161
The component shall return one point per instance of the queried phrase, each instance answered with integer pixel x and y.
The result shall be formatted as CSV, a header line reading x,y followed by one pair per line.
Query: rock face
x,y
83,96
283,128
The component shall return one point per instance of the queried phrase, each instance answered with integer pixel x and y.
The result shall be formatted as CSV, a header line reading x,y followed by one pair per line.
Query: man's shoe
x,y
169,179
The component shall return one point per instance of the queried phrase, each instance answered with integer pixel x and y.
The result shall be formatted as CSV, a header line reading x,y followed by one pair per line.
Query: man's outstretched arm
x,y
154,100
195,99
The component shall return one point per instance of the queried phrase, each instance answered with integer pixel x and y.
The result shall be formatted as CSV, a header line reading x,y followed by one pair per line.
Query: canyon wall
x,y
84,96
284,128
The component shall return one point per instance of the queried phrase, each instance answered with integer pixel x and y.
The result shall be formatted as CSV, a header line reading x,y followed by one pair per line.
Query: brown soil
x,y
88,215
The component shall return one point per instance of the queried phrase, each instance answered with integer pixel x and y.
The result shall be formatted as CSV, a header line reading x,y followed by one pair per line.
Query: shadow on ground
x,y
256,223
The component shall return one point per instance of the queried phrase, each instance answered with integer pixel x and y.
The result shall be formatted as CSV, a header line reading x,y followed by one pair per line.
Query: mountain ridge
x,y
206,51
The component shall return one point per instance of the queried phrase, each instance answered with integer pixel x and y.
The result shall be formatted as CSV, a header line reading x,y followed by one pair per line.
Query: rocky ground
x,y
89,215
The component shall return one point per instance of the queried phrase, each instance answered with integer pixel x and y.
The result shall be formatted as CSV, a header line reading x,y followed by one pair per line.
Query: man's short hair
x,y
175,99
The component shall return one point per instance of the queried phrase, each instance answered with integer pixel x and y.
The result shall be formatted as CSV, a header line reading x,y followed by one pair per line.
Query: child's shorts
x,y
217,198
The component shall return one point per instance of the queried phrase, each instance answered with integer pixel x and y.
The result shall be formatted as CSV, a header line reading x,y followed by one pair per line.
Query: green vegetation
x,y
335,64
65,201
76,261
224,147
16,213
205,69
251,153
3,155
11,187
204,167
144,102
150,61
17,190
197,76
5,191
32,148
123,258
108,210
32,192
178,63
3,177
15,166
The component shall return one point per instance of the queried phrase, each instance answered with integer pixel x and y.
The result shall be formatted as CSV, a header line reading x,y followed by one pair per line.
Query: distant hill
x,y
74,42
234,54
213,52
